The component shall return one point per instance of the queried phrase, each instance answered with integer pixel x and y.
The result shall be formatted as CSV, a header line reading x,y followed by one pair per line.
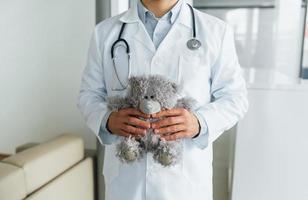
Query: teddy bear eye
x,y
146,97
152,97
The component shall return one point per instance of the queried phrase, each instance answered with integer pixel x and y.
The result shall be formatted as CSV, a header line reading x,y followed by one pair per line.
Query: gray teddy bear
x,y
150,94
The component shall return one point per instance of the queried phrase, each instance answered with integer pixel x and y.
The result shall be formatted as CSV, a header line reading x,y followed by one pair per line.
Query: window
x,y
304,72
269,42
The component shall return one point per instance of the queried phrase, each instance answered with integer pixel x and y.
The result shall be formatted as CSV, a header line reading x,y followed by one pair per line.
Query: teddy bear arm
x,y
187,103
116,103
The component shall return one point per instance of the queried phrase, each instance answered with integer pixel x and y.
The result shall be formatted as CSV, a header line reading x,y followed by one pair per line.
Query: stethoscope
x,y
192,44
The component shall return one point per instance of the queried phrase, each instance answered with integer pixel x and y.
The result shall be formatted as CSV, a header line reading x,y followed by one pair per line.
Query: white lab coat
x,y
211,75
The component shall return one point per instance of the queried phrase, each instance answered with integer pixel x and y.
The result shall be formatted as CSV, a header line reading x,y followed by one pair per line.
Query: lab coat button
x,y
157,61
148,173
150,170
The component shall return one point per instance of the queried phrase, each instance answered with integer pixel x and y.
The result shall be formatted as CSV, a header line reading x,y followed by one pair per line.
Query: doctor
x,y
169,38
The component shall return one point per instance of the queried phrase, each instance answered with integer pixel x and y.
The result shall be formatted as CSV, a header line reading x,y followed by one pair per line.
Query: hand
x,y
176,123
126,123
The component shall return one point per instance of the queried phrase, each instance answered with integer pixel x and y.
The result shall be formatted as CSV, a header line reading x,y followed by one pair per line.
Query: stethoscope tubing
x,y
117,74
193,20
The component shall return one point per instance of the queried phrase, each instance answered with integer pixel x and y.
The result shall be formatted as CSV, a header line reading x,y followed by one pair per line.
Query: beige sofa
x,y
55,170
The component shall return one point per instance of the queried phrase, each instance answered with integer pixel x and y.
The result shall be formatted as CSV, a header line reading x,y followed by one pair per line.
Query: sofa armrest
x,y
12,182
76,183
44,162
25,147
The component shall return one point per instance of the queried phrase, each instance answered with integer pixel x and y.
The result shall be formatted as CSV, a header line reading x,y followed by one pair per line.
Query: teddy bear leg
x,y
129,150
168,153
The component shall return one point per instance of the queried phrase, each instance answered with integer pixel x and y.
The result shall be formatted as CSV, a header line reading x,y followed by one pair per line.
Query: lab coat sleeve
x,y
92,95
202,139
228,92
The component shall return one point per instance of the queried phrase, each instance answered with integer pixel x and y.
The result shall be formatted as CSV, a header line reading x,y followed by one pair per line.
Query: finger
x,y
168,122
175,136
124,133
138,122
170,129
133,130
127,134
169,113
136,113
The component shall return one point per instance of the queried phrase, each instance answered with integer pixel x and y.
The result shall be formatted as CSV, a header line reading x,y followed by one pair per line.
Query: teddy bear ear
x,y
134,81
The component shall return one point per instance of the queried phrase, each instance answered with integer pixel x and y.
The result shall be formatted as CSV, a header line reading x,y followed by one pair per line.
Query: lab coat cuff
x,y
106,137
202,138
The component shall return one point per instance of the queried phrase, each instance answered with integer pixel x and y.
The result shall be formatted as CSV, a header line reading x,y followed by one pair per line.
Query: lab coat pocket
x,y
191,67
117,74
115,88
194,76
195,161
111,164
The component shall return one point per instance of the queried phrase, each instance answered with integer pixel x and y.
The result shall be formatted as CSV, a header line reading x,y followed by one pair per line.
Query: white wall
x,y
42,53
272,146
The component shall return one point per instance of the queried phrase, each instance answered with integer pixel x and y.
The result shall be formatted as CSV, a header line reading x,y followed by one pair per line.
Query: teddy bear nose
x,y
149,106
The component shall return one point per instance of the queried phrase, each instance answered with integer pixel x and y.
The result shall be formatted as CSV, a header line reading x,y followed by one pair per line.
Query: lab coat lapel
x,y
141,35
182,28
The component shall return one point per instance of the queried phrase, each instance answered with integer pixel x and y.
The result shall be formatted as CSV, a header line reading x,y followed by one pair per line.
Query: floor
x,y
223,154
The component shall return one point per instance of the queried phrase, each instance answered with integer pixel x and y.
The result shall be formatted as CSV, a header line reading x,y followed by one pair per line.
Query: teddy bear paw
x,y
168,153
129,150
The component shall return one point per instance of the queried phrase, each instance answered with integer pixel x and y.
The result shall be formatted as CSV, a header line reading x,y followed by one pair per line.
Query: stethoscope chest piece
x,y
193,44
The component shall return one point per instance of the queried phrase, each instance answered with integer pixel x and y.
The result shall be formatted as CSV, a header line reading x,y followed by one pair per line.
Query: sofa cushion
x,y
44,162
75,184
12,182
